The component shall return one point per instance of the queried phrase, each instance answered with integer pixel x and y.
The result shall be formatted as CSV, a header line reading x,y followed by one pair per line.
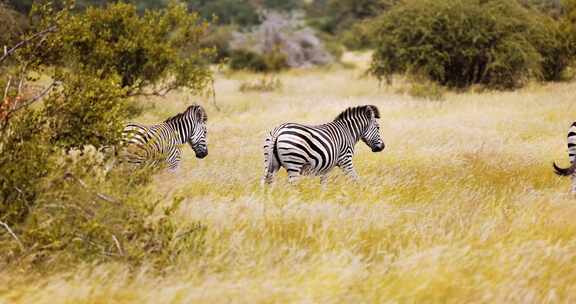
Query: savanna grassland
x,y
462,206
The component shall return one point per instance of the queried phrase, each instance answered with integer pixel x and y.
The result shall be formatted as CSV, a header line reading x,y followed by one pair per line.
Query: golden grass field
x,y
461,207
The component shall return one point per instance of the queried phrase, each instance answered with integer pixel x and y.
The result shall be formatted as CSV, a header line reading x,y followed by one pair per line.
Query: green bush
x,y
86,213
495,43
273,61
85,111
24,160
61,200
160,47
13,25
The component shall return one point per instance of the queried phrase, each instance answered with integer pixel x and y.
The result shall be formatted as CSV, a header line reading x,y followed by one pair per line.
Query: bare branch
x,y
7,88
83,185
118,245
213,93
36,98
20,44
19,106
12,234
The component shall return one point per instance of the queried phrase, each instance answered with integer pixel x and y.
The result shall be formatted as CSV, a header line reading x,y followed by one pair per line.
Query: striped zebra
x,y
570,171
159,144
315,150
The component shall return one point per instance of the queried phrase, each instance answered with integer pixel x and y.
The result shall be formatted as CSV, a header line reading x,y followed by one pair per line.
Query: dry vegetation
x,y
462,206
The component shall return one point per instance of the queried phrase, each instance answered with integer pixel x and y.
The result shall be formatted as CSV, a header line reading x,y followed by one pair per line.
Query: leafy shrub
x,y
337,16
85,213
495,43
247,60
24,160
86,111
60,202
13,25
159,47
236,12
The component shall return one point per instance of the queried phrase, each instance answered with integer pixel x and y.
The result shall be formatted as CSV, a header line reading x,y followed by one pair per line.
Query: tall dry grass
x,y
462,205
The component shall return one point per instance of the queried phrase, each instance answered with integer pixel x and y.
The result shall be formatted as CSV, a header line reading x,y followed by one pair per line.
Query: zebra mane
x,y
198,112
368,110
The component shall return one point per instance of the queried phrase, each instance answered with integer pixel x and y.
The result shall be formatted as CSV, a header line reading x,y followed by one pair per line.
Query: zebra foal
x,y
315,150
159,144
570,171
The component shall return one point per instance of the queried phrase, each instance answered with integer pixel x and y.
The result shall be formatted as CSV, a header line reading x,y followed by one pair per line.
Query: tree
x,y
496,43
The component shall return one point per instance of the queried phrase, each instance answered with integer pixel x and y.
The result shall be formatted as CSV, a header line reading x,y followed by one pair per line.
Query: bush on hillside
x,y
495,43
278,43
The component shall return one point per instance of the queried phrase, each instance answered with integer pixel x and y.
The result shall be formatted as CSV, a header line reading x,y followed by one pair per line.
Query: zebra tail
x,y
271,152
564,171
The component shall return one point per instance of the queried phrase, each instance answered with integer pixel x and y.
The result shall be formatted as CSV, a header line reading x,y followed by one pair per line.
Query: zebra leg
x,y
293,175
323,179
348,168
173,159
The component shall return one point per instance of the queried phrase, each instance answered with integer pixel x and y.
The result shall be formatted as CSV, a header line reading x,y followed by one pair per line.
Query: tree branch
x,y
36,98
20,44
83,185
12,234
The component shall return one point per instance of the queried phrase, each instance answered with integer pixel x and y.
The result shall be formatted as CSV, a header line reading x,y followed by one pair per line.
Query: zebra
x,y
315,150
159,144
570,171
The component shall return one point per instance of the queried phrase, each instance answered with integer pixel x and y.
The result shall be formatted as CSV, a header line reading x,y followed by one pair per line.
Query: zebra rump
x,y
571,154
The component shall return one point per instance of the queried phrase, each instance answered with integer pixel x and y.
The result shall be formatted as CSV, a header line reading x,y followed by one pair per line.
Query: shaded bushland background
x,y
462,205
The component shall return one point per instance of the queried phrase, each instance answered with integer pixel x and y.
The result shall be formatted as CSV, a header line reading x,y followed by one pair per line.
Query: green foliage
x,y
495,43
237,12
59,196
162,46
273,61
218,38
24,160
13,25
86,111
247,60
346,19
336,16
85,213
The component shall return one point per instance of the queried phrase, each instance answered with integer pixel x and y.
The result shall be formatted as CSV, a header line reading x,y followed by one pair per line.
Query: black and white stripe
x,y
315,150
570,171
160,143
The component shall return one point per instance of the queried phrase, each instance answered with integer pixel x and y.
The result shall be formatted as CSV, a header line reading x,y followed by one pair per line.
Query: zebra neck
x,y
182,129
353,129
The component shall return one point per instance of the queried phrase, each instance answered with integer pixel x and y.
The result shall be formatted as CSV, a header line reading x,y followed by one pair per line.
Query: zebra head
x,y
191,128
371,134
198,137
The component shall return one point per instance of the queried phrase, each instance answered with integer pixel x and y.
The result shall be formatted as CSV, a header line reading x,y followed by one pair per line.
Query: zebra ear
x,y
372,111
200,113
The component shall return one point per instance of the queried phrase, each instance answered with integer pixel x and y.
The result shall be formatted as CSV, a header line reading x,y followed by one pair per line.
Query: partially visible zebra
x,y
570,171
160,143
315,150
